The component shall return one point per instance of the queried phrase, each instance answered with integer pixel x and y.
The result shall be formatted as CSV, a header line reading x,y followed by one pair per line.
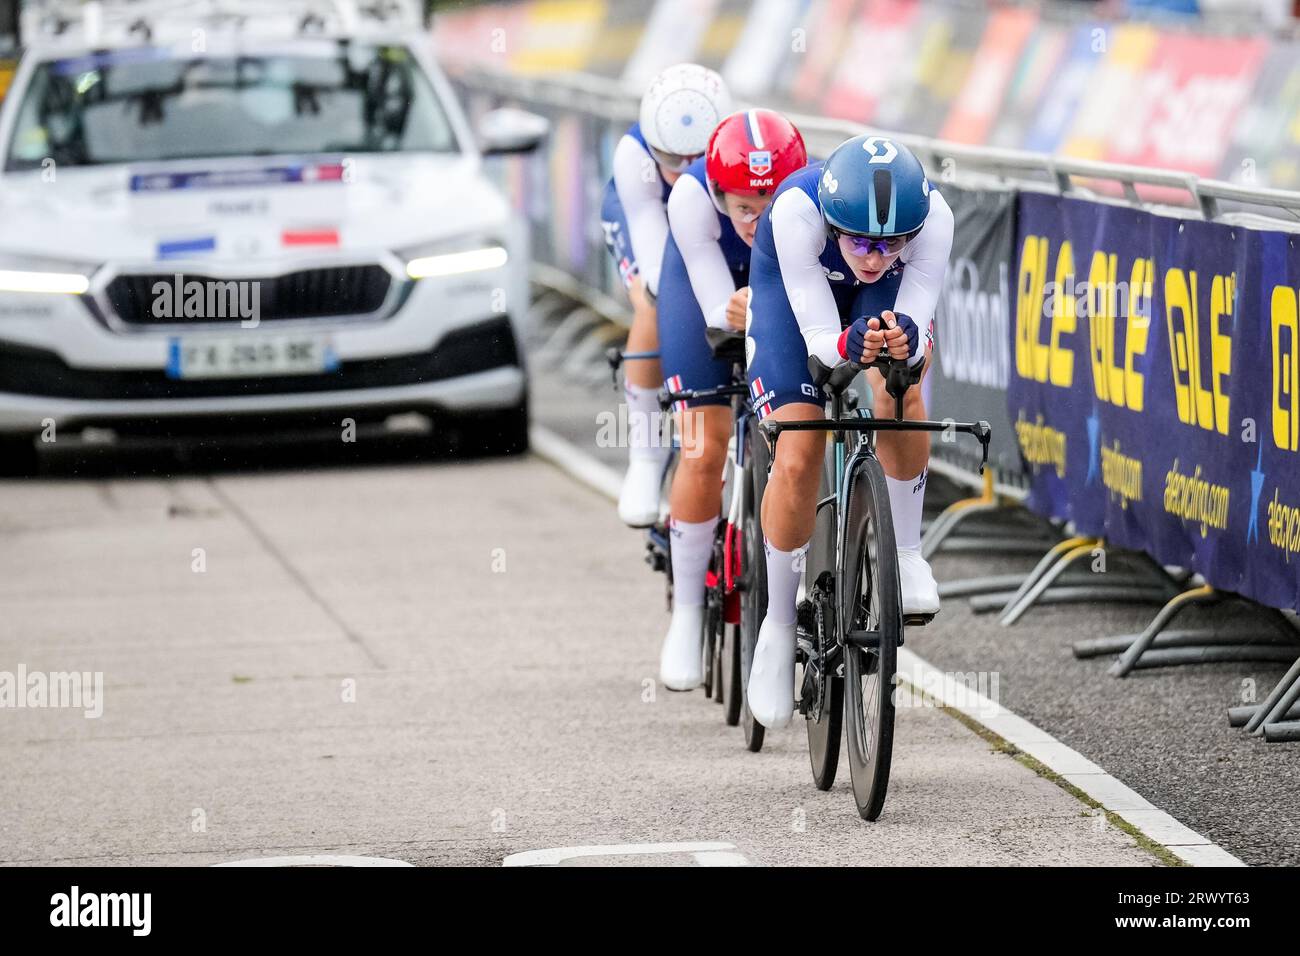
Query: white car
x,y
211,218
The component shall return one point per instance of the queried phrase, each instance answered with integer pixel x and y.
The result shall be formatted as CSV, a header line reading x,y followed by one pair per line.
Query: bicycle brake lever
x,y
984,433
614,356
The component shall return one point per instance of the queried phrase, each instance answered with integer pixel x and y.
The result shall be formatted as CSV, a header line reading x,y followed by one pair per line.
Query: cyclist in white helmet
x,y
679,111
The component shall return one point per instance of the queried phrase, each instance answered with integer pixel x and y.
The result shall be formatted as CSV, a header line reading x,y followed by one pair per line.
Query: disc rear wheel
x,y
822,693
708,647
729,685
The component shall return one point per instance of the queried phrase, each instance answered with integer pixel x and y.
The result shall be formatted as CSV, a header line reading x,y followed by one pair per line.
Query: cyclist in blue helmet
x,y
848,264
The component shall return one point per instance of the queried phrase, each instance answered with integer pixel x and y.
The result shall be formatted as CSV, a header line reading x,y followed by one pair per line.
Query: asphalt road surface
x,y
432,662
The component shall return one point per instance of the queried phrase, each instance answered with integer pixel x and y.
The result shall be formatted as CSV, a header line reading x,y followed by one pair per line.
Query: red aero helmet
x,y
750,153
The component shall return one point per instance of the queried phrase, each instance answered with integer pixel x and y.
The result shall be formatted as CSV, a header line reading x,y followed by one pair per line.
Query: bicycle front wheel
x,y
754,601
870,608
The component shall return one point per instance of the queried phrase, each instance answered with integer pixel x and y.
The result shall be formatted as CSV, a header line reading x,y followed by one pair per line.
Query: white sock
x,y
906,501
692,546
643,416
784,569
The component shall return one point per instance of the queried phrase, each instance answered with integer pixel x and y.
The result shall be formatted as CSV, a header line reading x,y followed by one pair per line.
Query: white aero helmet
x,y
680,110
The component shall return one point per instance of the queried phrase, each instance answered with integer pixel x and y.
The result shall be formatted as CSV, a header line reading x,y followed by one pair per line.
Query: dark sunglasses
x,y
862,245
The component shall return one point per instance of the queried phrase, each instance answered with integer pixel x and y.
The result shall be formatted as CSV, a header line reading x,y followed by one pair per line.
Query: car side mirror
x,y
509,131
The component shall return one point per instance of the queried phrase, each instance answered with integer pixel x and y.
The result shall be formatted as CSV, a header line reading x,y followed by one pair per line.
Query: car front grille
x,y
306,294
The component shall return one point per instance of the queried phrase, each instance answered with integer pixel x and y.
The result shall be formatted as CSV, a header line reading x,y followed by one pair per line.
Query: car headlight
x,y
454,258
51,276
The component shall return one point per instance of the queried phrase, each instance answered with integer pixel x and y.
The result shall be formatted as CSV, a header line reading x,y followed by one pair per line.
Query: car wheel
x,y
18,456
498,432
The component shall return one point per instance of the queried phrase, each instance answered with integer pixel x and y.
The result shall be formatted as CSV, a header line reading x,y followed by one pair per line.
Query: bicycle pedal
x,y
917,620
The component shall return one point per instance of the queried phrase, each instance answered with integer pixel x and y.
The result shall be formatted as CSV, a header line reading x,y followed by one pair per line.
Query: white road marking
x,y
1151,821
706,854
316,861
721,858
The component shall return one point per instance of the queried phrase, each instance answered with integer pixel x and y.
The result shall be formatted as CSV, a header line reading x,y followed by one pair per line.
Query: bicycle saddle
x,y
726,345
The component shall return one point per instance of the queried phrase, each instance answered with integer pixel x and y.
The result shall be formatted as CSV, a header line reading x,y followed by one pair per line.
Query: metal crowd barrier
x,y
610,107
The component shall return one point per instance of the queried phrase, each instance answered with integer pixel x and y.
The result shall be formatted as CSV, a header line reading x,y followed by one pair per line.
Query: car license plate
x,y
249,356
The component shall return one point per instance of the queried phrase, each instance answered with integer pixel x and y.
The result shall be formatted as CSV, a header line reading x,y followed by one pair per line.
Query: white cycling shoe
x,y
920,593
681,663
770,690
638,502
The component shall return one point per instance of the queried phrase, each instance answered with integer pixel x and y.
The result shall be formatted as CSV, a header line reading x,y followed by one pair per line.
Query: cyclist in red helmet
x,y
713,214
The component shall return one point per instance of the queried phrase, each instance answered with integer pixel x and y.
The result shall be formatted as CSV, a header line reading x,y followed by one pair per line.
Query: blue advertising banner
x,y
1155,387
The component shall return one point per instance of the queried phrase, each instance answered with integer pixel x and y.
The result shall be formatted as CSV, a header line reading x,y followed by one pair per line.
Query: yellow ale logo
x,y
1036,359
1286,367
1198,403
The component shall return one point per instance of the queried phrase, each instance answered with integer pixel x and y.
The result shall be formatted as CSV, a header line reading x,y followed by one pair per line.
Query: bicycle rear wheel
x,y
719,636
871,606
754,604
716,669
824,717
713,625
729,685
660,530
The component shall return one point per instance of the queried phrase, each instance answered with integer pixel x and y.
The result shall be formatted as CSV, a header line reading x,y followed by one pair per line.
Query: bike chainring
x,y
819,660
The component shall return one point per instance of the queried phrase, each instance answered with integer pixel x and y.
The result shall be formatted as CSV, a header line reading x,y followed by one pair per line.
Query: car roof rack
x,y
96,24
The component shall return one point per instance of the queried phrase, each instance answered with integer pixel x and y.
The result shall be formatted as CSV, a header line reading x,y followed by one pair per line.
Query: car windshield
x,y
149,104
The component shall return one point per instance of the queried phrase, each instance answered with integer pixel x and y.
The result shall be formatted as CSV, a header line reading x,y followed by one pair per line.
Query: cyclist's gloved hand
x,y
862,341
902,337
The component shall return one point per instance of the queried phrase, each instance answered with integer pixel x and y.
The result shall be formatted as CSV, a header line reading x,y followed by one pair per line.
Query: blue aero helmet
x,y
874,186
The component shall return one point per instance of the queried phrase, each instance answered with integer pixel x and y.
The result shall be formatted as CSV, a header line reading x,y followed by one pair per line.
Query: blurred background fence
x,y
1217,95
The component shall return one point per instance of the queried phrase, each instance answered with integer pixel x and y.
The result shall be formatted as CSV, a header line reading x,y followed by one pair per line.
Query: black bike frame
x,y
898,379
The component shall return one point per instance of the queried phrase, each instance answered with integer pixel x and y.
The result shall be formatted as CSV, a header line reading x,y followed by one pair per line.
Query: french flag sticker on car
x,y
183,248
309,237
325,173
